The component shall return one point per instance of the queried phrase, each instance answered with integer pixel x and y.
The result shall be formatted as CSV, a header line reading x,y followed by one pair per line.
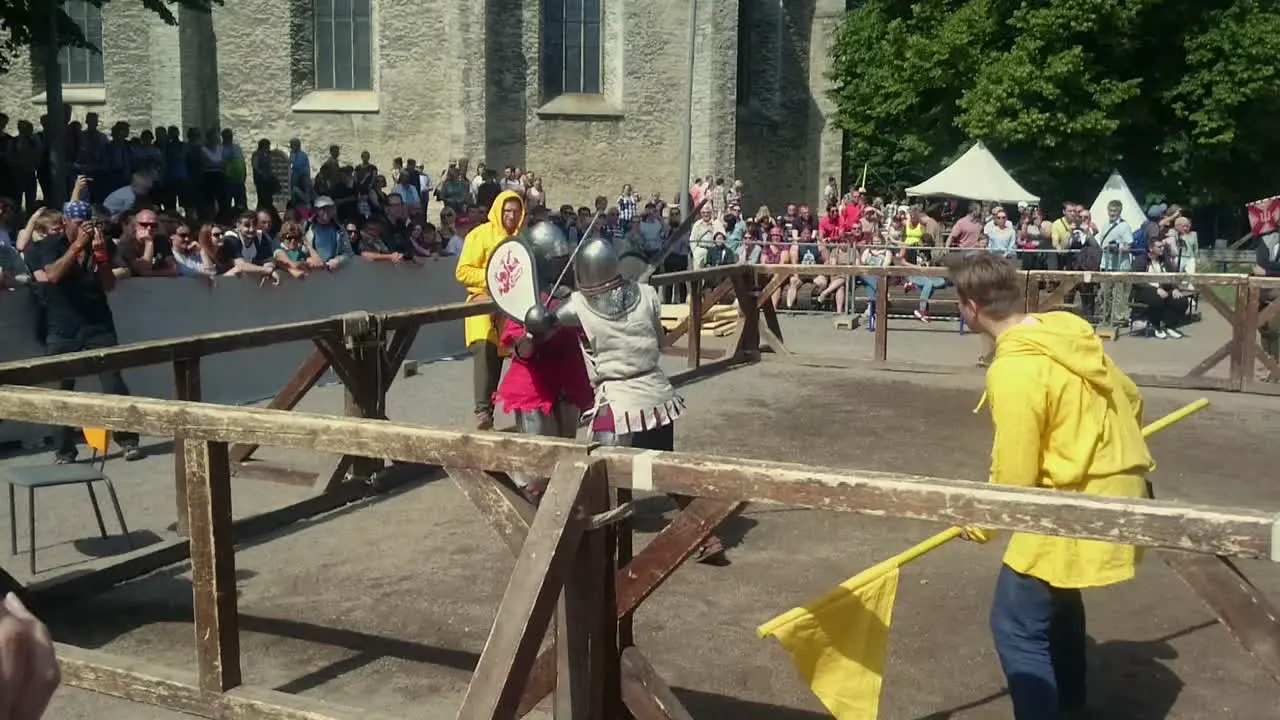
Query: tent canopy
x,y
976,175
1117,189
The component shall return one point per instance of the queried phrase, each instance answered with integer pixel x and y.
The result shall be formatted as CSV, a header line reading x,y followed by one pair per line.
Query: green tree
x,y
1176,94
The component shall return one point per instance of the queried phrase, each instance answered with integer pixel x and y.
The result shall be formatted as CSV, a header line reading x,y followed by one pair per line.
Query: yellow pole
x,y
916,551
863,182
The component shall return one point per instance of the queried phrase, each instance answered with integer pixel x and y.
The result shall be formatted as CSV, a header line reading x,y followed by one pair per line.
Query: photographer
x,y
75,275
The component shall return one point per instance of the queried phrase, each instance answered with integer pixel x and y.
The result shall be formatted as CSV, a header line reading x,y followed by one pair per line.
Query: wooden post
x,y
882,318
586,630
213,565
1248,332
186,386
749,332
1239,341
695,322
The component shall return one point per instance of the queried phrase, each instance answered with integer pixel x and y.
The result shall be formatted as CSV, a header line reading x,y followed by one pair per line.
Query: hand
x,y
1177,294
314,261
1258,270
28,666
397,258
273,277
1162,292
82,182
332,264
974,534
298,273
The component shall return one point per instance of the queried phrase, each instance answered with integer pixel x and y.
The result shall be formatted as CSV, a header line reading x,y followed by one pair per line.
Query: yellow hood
x,y
1067,340
495,212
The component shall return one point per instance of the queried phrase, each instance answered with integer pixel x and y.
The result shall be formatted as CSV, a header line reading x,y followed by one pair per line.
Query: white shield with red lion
x,y
512,277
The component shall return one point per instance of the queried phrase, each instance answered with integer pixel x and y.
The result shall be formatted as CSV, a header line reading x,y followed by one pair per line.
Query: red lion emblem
x,y
509,272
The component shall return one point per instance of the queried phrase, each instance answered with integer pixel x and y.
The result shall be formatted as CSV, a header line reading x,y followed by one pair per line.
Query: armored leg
x,y
534,423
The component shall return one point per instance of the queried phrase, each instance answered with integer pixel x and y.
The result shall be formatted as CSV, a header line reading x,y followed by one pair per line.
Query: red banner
x,y
1264,215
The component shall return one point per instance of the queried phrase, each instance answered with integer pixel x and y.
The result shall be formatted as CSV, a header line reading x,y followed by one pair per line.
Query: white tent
x,y
1117,189
976,175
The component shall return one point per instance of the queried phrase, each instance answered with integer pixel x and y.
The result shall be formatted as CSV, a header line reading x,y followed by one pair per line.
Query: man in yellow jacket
x,y
1066,419
506,217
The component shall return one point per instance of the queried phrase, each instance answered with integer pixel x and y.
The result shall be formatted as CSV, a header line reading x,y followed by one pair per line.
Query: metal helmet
x,y
551,250
596,266
603,288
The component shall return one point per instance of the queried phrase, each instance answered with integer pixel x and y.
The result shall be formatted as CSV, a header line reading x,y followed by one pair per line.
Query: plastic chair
x,y
38,476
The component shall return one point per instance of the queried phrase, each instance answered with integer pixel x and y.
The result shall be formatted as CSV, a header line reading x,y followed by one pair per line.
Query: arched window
x,y
571,51
81,65
344,44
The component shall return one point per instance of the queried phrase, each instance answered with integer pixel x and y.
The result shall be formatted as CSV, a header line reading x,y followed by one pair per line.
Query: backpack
x,y
1140,239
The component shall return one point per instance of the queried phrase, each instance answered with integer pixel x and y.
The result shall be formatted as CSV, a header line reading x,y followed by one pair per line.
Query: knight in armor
x,y
506,217
546,387
621,320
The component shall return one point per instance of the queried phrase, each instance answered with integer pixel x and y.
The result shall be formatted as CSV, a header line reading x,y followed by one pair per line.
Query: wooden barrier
x,y
565,550
1252,309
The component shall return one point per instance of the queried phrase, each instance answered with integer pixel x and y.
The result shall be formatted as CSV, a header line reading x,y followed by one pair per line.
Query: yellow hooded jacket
x,y
1066,418
476,249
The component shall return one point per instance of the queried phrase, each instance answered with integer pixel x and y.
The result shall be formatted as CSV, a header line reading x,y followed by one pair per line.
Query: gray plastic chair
x,y
38,476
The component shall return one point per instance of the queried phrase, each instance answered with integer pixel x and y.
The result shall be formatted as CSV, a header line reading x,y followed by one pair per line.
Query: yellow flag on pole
x,y
838,641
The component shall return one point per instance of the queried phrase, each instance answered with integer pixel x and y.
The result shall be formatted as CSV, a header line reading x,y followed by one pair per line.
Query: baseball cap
x,y
323,201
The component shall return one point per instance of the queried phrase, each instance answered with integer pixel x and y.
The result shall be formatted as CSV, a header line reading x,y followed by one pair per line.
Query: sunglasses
x,y
146,224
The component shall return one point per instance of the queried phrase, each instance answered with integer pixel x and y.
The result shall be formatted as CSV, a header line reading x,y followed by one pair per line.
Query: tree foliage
x,y
26,22
1179,95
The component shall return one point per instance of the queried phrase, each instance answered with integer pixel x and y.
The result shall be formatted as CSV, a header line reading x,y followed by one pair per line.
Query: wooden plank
x,y
529,601
647,695
33,371
1246,613
142,682
586,629
213,566
1239,372
1222,531
771,333
639,578
304,378
748,345
506,512
682,327
1227,349
1249,329
186,386
1181,382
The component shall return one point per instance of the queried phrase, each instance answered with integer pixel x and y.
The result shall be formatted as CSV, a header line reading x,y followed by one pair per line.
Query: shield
x,y
512,278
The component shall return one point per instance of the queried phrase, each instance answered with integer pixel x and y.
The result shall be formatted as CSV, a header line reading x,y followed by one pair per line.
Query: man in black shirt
x,y
75,276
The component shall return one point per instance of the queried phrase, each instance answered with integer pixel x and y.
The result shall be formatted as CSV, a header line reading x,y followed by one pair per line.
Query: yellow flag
x,y
837,642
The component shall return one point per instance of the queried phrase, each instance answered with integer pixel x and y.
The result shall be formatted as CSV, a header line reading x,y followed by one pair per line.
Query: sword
x,y
675,238
568,264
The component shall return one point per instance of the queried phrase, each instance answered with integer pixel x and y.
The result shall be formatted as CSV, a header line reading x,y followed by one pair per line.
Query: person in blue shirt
x,y
328,244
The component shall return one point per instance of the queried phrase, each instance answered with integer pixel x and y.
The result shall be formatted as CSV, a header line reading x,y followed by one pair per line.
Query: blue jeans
x,y
927,285
1039,633
88,337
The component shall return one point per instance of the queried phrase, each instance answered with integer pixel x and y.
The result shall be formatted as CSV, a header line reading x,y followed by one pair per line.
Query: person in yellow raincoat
x,y
1066,419
506,218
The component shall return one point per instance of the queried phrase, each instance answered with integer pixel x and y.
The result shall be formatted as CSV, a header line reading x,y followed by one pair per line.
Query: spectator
x,y
327,243
628,202
1002,239
293,254
299,176
234,171
249,251
719,253
702,236
192,259
76,276
506,218
535,196
966,233
371,246
1115,239
678,257
735,231
650,231
1166,305
142,252
1267,264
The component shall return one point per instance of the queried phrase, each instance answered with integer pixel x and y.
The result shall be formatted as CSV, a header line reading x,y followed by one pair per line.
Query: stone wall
x,y
463,79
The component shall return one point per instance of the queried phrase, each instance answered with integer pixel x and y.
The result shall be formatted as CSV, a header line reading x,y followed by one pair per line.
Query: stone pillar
x,y
830,161
198,69
715,90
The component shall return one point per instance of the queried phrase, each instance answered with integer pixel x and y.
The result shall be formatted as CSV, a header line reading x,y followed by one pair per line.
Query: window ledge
x,y
338,101
78,95
581,106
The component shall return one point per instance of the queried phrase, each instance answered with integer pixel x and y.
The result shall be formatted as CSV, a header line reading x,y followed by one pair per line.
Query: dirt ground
x,y
386,605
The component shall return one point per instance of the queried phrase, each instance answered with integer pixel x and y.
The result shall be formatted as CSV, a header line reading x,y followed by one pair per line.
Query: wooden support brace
x,y
502,508
586,621
881,352
695,322
771,333
289,396
747,347
682,328
213,565
529,601
646,694
640,577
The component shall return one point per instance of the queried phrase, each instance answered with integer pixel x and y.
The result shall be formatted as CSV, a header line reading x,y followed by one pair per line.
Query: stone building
x,y
588,93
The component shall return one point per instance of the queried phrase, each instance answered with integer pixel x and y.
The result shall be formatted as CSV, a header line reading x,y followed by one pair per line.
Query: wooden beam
x,y
507,513
150,684
530,599
33,371
304,378
695,322
682,328
881,351
586,620
1243,532
213,566
647,695
1246,613
748,330
186,386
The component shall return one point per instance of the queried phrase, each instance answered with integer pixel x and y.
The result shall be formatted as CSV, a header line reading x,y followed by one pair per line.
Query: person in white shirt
x,y
126,197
